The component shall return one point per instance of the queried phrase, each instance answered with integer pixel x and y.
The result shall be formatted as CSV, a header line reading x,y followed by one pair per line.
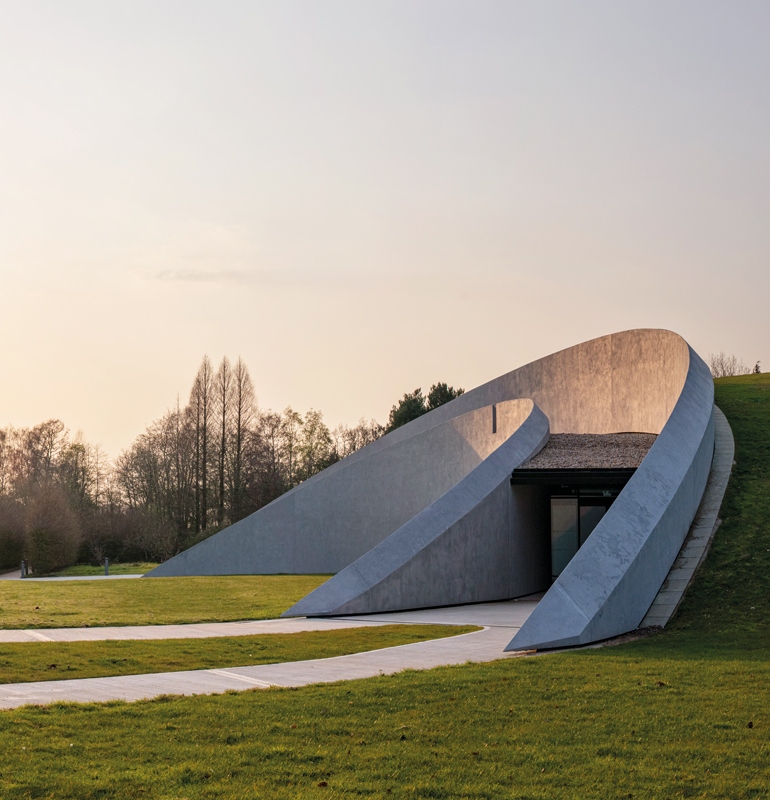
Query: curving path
x,y
500,621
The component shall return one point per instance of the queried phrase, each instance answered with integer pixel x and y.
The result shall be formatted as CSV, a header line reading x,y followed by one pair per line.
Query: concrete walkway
x,y
501,620
509,615
16,576
87,578
203,630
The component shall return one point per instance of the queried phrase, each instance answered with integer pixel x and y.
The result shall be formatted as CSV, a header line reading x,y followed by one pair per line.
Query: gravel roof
x,y
592,451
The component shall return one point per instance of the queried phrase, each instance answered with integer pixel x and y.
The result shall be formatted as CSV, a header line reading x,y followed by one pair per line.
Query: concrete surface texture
x,y
510,614
423,516
86,578
15,575
499,620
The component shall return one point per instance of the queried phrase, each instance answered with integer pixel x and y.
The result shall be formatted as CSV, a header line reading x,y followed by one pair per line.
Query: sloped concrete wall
x,y
623,382
473,544
626,381
324,525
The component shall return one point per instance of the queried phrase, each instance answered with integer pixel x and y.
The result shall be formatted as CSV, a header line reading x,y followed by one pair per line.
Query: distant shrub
x,y
52,534
11,532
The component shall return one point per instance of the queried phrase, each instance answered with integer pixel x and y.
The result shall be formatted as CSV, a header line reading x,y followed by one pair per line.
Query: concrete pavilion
x,y
577,476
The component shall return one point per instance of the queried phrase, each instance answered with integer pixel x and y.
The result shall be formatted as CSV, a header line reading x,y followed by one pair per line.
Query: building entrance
x,y
573,519
572,482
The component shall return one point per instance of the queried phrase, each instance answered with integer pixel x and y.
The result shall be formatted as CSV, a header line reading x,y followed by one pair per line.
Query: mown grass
x,y
41,661
150,601
728,607
683,714
566,726
82,570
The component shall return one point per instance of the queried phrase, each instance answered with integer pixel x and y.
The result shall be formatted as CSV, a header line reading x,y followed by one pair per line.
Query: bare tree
x,y
11,531
290,437
217,457
223,387
157,477
45,444
201,409
346,440
7,459
724,366
77,473
264,477
100,464
244,415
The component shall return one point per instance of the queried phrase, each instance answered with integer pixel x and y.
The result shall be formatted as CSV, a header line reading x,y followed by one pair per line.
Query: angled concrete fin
x,y
457,550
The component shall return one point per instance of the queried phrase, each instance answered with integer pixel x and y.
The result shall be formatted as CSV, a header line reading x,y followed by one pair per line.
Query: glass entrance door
x,y
565,537
573,519
590,516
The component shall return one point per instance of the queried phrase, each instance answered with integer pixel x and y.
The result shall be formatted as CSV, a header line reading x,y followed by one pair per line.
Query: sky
x,y
359,198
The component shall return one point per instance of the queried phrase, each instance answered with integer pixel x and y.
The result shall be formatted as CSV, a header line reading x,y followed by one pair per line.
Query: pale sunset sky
x,y
359,198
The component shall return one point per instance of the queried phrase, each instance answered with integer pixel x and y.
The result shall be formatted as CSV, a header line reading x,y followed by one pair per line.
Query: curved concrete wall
x,y
623,382
608,586
460,549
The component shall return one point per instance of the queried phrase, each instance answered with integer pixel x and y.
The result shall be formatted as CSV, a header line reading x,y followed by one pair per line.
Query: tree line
x,y
198,468
723,365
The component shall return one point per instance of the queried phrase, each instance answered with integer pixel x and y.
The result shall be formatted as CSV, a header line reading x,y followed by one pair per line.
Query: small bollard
x,y
106,566
23,569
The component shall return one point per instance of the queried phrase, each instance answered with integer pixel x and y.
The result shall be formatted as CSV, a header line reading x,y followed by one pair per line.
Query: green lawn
x,y
133,568
580,725
41,661
150,601
685,713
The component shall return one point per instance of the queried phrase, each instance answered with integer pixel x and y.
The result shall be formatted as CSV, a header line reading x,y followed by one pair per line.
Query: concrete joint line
x,y
253,681
39,636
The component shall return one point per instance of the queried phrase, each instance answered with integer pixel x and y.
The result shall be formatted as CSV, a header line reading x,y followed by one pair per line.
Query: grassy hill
x,y
728,605
685,713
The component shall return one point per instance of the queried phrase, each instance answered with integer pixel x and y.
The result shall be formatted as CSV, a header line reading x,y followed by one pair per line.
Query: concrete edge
x,y
702,531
